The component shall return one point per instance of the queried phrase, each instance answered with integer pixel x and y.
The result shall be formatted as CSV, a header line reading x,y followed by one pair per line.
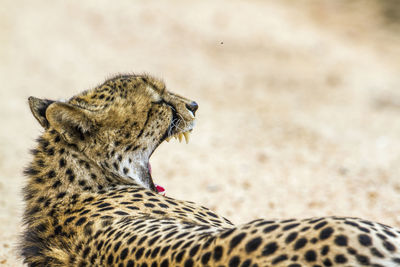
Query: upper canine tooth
x,y
187,136
180,135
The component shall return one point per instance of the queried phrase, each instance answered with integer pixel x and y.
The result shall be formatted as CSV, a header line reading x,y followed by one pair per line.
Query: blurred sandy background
x,y
299,100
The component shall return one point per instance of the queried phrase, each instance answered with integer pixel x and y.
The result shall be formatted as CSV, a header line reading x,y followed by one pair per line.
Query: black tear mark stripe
x,y
173,119
145,123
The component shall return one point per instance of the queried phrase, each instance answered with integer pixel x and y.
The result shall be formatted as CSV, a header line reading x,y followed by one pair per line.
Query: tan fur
x,y
91,201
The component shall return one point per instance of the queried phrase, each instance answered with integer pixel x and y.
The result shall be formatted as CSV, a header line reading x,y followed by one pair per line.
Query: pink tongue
x,y
160,189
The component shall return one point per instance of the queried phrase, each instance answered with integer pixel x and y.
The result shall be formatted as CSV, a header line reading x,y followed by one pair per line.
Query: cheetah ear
x,y
38,109
72,122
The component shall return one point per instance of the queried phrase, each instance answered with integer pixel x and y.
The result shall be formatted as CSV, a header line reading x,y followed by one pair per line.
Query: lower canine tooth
x,y
168,138
187,136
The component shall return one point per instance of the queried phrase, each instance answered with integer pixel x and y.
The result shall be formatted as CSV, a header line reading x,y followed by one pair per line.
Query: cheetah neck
x,y
59,171
135,167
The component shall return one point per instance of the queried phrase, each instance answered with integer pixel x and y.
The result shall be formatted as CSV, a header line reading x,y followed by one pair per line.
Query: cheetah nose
x,y
192,107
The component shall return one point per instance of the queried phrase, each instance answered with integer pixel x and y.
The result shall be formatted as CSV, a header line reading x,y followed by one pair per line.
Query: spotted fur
x,y
91,201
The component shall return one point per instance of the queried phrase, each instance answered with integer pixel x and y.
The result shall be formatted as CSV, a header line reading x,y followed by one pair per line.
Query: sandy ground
x,y
299,105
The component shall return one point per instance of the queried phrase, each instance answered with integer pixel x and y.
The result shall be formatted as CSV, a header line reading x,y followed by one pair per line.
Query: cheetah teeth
x,y
187,137
180,137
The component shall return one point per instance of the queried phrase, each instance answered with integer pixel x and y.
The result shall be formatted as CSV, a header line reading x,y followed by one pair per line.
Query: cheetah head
x,y
119,124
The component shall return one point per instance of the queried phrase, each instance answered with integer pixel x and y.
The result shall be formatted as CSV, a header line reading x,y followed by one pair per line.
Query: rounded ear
x,y
38,108
72,122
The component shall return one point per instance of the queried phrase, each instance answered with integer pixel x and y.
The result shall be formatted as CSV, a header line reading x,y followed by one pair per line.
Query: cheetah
x,y
90,199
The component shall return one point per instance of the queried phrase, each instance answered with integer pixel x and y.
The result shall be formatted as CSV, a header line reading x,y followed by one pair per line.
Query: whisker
x,y
184,121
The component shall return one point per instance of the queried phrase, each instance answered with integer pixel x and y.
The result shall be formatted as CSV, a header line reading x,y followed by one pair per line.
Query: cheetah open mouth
x,y
179,136
178,133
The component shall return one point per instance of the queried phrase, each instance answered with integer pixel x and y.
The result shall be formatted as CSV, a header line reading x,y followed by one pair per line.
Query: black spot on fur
x,y
290,226
188,263
218,252
340,258
30,171
194,250
115,164
80,221
376,253
389,246
234,261
253,244
224,234
270,228
324,250
326,233
205,258
320,225
51,174
300,243
341,240
56,184
363,260
270,249
279,259
364,240
310,256
61,194
236,240
62,163
291,237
